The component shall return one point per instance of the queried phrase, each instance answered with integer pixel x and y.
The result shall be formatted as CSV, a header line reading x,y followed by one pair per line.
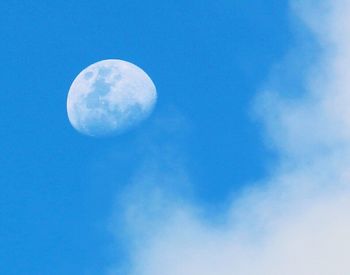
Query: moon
x,y
109,97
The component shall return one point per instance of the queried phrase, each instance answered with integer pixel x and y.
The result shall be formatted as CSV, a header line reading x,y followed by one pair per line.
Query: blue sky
x,y
59,189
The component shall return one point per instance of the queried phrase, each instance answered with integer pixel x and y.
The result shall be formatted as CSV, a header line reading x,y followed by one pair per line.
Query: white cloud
x,y
296,222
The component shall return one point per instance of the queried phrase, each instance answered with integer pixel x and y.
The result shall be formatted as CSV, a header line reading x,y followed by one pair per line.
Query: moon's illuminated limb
x,y
110,96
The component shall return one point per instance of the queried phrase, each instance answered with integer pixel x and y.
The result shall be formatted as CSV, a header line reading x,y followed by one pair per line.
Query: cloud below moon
x,y
294,222
109,97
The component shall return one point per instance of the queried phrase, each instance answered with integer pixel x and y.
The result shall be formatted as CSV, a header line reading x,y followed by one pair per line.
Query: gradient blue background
x,y
58,188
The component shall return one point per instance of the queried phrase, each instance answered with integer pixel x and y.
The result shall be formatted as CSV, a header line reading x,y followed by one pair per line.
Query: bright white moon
x,y
109,97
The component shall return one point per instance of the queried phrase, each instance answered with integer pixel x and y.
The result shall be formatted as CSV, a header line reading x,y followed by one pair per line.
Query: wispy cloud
x,y
295,222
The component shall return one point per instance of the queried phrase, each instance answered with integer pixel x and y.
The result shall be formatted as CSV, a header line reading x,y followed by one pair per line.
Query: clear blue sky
x,y
58,188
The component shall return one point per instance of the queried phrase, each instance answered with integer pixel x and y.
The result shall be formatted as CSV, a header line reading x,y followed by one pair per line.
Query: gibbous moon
x,y
108,97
